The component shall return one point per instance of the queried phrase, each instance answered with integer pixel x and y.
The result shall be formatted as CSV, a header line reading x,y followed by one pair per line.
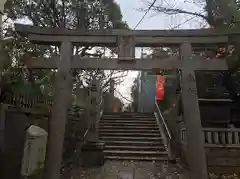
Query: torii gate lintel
x,y
128,63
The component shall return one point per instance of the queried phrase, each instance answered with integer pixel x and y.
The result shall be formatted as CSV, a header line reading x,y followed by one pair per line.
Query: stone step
x,y
125,115
129,117
128,127
128,121
131,136
128,130
152,118
138,148
164,158
128,113
127,124
134,153
133,143
124,134
121,138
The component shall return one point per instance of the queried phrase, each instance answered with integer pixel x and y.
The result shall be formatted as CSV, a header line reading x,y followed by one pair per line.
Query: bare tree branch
x,y
171,11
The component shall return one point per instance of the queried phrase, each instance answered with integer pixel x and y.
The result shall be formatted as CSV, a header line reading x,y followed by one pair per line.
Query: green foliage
x,y
91,14
73,14
5,58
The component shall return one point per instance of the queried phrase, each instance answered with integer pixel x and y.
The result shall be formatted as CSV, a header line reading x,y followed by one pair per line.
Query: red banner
x,y
160,88
115,107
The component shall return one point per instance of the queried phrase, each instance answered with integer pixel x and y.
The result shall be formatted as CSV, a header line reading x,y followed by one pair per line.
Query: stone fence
x,y
221,145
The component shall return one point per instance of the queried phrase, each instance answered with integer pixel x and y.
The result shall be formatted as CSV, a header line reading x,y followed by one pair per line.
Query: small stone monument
x,y
34,151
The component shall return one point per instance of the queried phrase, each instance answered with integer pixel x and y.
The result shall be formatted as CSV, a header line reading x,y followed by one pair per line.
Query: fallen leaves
x,y
223,176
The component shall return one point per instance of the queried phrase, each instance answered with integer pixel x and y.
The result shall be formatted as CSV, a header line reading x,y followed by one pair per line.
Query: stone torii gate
x,y
126,41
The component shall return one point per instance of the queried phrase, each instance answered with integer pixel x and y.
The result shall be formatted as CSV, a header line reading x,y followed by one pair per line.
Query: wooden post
x,y
195,140
58,118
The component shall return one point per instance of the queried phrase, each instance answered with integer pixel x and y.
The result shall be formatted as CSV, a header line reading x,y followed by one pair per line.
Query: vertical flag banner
x,y
160,88
115,106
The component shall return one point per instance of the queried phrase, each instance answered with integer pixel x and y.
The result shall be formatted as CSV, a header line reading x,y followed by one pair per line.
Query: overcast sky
x,y
132,15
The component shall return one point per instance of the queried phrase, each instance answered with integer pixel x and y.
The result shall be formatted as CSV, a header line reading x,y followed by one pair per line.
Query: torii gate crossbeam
x,y
199,63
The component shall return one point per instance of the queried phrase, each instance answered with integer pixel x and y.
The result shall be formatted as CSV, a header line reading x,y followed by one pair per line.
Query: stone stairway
x,y
131,136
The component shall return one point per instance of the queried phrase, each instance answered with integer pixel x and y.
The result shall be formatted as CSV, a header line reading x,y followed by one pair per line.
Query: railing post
x,y
209,137
216,138
223,137
236,137
195,140
230,136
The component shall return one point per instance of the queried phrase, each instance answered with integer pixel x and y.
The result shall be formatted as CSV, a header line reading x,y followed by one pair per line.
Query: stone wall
x,y
224,157
215,116
13,144
216,156
13,135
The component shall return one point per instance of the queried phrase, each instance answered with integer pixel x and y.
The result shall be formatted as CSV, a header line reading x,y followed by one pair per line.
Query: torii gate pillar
x,y
58,118
195,139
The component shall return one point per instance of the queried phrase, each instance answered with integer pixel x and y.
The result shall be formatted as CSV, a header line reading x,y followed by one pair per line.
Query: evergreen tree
x,y
73,14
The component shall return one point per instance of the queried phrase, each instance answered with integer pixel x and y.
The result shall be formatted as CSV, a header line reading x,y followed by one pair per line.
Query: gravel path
x,y
137,170
130,170
141,170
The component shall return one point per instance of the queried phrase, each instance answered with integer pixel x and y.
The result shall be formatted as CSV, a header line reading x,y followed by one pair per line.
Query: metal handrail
x,y
163,121
85,134
100,103
100,108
